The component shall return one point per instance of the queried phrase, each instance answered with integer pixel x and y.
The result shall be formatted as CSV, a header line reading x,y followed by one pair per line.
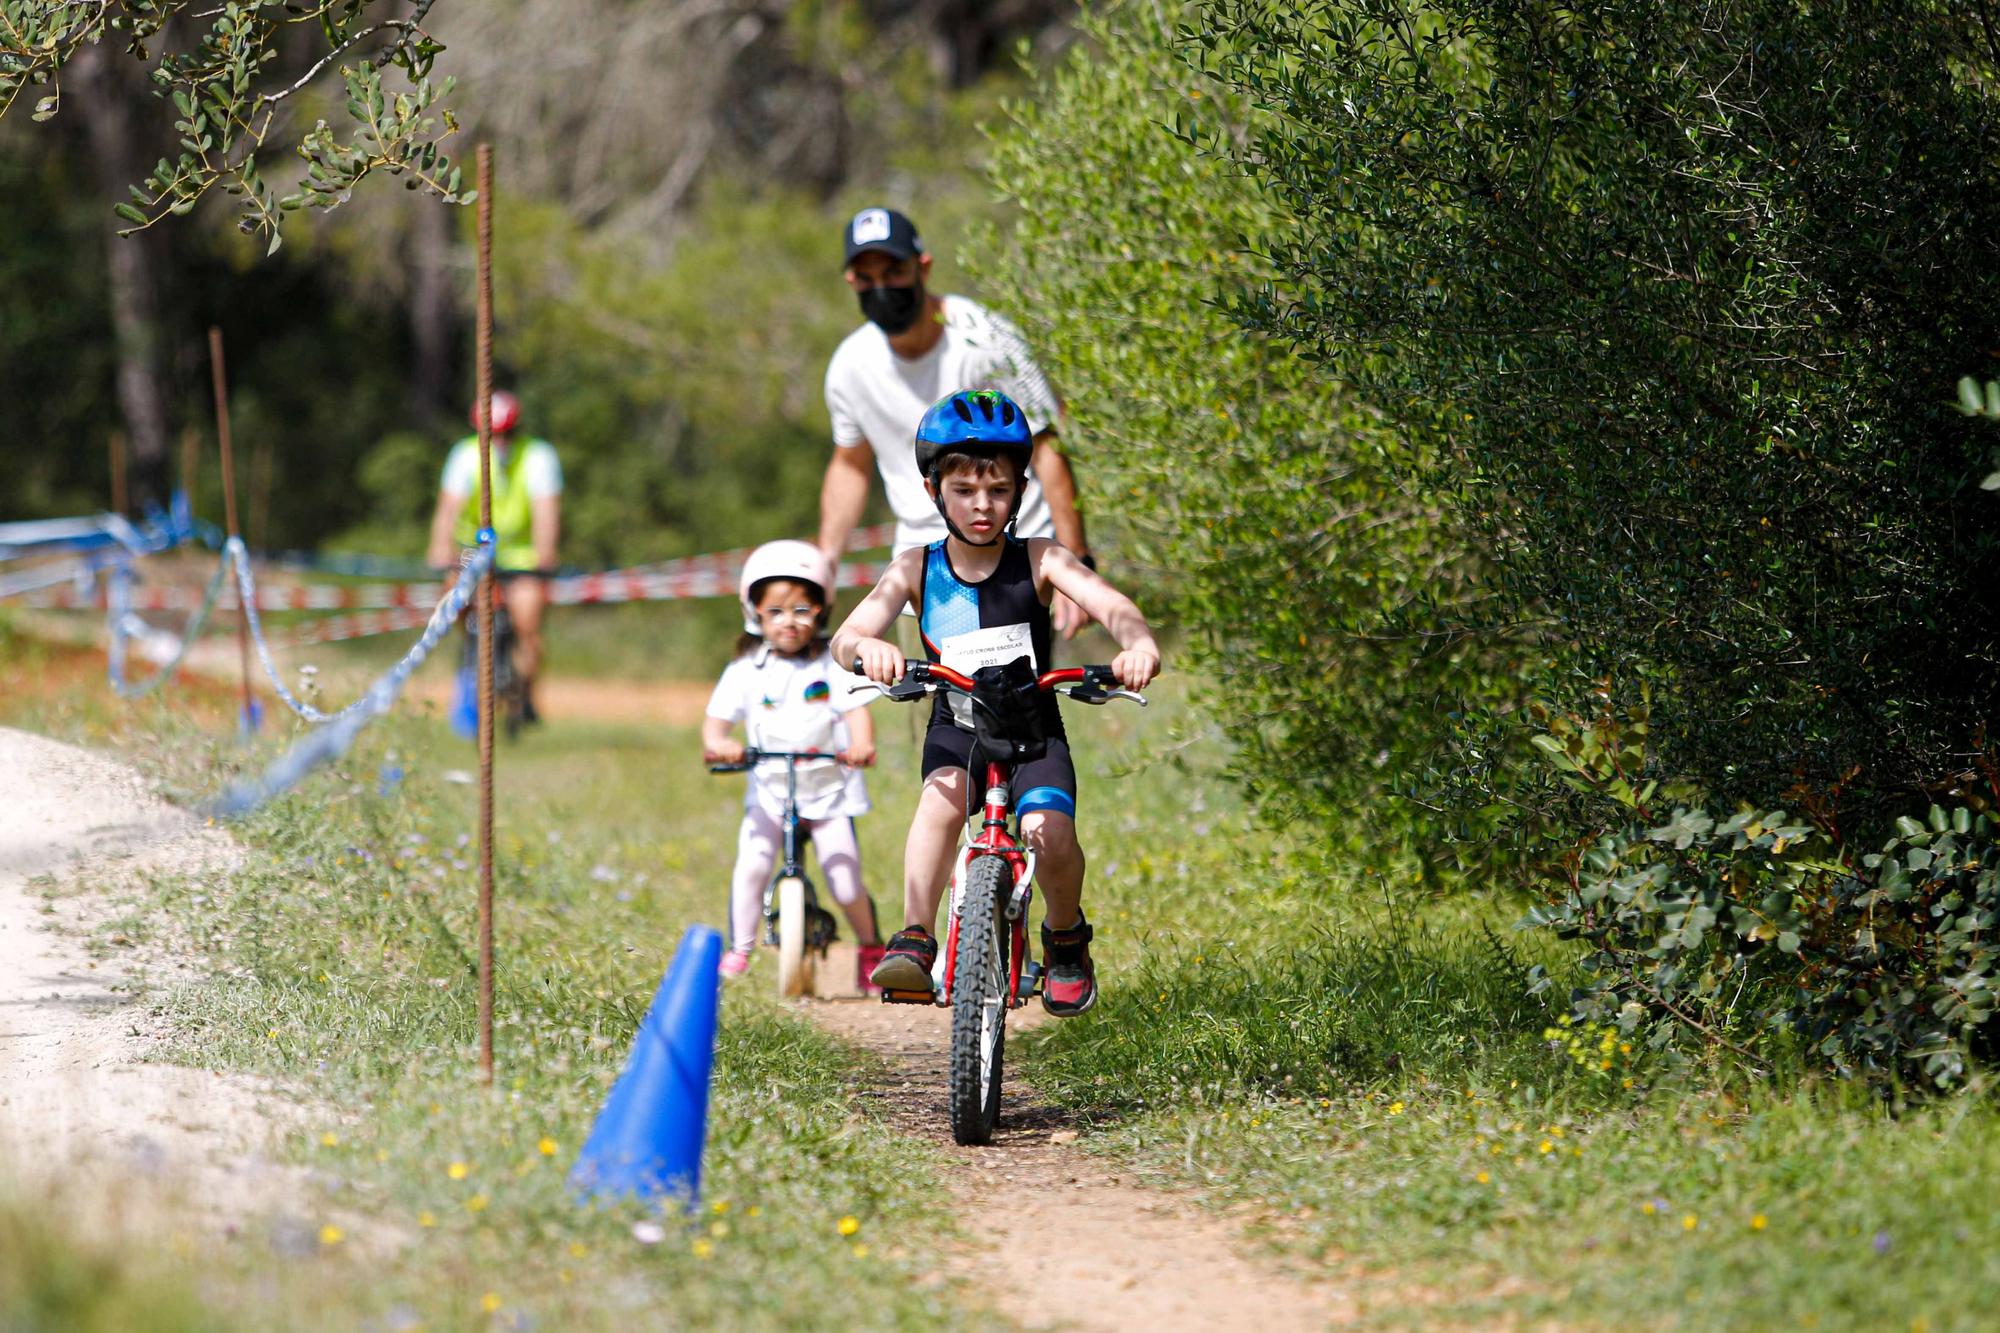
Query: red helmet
x,y
506,412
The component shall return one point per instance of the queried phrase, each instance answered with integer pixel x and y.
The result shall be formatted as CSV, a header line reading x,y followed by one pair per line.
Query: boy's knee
x,y
1051,833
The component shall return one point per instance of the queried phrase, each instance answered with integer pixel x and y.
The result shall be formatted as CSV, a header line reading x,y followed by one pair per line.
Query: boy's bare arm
x,y
861,634
1120,616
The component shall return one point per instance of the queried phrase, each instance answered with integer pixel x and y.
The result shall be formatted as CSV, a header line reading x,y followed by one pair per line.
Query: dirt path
x,y
83,1118
1083,1248
674,703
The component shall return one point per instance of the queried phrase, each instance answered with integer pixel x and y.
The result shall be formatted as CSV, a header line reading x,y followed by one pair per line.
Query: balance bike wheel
x,y
795,960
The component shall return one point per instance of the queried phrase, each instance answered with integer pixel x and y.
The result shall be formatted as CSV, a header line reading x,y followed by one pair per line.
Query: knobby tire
x,y
979,1002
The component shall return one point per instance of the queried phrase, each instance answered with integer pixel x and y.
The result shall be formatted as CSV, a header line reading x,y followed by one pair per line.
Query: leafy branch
x,y
228,93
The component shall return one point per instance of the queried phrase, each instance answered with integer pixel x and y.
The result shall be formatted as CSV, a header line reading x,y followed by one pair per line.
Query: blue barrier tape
x,y
120,601
329,741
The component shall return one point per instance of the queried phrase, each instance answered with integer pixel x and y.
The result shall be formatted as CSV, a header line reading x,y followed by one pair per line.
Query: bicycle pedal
x,y
908,996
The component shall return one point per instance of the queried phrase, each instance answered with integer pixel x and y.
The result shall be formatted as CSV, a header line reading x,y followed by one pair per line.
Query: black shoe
x,y
906,961
529,716
1069,986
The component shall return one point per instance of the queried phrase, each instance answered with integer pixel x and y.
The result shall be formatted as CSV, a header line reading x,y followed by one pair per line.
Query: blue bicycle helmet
x,y
973,421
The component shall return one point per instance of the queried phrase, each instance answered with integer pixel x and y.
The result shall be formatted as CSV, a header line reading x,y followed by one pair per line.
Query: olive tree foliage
x,y
229,73
1240,492
1669,300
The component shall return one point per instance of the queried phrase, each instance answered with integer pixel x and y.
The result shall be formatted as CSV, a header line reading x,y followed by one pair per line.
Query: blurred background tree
x,y
671,181
1668,302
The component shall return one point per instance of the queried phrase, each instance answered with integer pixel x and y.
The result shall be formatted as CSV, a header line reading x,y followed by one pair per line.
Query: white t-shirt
x,y
791,703
539,469
873,395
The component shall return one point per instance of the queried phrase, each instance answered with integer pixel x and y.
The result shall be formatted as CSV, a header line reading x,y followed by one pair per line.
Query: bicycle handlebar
x,y
1086,684
753,756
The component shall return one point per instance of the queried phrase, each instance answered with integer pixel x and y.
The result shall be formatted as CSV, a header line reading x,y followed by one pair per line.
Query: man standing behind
x,y
915,349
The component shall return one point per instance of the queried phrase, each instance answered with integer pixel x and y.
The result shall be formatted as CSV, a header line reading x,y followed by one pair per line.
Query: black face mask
x,y
893,309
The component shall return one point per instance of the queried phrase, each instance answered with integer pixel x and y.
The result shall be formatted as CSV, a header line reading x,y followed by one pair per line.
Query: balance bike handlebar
x,y
753,756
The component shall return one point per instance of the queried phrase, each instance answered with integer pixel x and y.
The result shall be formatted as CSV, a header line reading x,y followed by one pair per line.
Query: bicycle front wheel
x,y
979,1002
794,962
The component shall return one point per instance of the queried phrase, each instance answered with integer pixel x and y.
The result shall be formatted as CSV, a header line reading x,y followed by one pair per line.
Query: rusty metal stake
x,y
484,599
221,380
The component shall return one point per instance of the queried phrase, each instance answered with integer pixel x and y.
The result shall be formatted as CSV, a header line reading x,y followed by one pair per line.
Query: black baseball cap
x,y
882,229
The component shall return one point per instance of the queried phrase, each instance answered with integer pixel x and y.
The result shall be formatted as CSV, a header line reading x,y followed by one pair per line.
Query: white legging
x,y
758,844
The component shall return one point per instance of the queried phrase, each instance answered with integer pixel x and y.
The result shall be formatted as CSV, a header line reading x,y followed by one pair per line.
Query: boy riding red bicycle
x,y
982,599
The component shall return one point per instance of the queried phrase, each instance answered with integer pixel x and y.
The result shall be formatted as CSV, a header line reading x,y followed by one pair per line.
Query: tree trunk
x,y
433,314
108,91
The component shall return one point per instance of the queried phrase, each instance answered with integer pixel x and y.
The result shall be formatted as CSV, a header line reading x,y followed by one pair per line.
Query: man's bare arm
x,y
545,514
1052,470
843,495
441,552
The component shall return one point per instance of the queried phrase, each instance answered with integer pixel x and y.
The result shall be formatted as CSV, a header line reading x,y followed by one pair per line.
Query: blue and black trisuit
x,y
950,607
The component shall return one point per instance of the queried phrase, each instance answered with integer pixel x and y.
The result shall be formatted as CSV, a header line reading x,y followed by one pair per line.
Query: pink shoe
x,y
866,958
734,964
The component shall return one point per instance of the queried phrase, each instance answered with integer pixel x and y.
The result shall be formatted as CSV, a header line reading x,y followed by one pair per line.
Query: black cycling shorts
x,y
1048,783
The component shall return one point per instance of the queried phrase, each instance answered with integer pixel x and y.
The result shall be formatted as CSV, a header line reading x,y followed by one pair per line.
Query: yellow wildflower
x,y
427,1218
477,1203
489,1302
1483,1178
458,1170
849,1225
1689,1223
547,1147
1758,1222
331,1235
330,1139
702,1247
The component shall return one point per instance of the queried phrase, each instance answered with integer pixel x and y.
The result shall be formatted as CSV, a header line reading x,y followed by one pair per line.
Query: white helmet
x,y
799,561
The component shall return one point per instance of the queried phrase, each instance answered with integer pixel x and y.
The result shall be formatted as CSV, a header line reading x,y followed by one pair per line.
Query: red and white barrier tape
x,y
333,629
712,575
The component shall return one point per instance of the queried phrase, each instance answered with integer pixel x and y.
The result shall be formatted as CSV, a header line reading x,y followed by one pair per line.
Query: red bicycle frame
x,y
994,839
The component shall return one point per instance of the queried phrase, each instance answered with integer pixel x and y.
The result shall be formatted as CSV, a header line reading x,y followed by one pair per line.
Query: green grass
x,y
341,964
1353,1062
1360,1065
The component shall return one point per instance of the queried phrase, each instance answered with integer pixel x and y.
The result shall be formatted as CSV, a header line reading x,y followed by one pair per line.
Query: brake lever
x,y
1090,692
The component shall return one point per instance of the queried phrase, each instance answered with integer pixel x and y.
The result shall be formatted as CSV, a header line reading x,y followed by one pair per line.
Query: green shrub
x,y
1753,925
1666,292
1251,498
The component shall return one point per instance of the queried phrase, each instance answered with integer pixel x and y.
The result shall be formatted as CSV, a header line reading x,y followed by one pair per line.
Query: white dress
x,y
792,703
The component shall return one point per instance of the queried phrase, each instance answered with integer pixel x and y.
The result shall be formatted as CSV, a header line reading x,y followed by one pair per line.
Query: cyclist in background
x,y
527,523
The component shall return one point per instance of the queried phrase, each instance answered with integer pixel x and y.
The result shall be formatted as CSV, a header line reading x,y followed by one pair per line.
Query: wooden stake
x,y
221,380
118,492
484,597
190,459
260,496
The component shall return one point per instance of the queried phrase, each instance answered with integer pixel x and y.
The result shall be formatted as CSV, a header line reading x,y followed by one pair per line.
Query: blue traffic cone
x,y
465,704
647,1139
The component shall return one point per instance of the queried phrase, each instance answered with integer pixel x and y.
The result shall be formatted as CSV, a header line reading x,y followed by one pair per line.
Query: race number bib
x,y
988,647
983,648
